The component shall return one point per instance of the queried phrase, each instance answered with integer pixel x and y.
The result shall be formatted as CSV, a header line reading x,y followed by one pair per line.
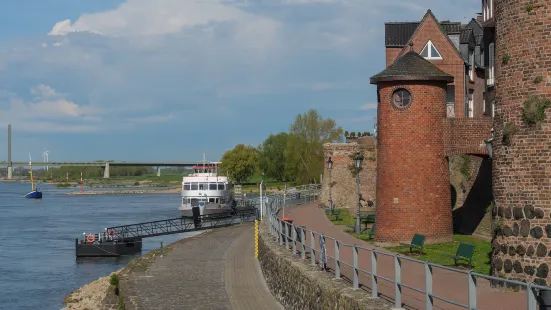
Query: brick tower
x,y
413,188
522,151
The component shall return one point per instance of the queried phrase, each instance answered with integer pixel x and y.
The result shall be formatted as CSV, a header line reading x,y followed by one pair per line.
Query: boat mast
x,y
31,172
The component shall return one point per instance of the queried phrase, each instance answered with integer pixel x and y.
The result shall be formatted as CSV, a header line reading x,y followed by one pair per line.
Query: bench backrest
x,y
373,228
418,240
338,212
465,250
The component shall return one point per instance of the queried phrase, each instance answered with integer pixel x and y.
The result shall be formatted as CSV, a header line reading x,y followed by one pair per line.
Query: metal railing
x,y
302,241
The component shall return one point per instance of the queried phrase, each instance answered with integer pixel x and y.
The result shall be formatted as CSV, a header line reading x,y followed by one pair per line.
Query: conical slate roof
x,y
411,67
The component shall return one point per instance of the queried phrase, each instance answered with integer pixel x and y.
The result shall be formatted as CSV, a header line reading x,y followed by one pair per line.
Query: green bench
x,y
371,232
465,252
337,214
417,242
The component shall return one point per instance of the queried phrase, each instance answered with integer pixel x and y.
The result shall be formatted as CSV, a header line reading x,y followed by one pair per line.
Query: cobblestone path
x,y
214,270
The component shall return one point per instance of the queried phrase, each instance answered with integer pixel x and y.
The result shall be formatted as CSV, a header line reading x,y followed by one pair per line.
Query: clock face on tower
x,y
401,98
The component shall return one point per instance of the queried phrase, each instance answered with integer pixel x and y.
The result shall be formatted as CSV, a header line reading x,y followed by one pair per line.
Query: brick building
x,y
455,49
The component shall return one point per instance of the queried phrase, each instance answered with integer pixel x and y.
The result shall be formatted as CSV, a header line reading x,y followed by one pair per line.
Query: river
x,y
38,267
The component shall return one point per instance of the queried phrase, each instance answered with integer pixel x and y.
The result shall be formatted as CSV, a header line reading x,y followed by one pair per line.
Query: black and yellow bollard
x,y
256,239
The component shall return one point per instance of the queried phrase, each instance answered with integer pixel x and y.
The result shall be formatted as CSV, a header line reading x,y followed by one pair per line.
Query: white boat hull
x,y
205,210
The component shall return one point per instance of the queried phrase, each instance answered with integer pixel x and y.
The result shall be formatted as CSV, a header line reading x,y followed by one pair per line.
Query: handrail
x,y
280,230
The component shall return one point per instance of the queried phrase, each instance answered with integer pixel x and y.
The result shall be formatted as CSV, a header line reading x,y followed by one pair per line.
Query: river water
x,y
38,267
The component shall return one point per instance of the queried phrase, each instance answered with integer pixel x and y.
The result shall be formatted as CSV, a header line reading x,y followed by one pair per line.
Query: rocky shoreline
x,y
100,294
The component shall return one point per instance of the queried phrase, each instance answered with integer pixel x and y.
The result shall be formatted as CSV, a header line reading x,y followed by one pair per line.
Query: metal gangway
x,y
177,225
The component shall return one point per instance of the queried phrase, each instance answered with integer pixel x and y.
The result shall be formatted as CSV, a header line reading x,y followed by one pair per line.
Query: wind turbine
x,y
45,157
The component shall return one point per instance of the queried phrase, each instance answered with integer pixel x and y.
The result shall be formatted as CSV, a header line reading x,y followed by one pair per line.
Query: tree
x,y
240,163
353,135
304,151
272,161
346,134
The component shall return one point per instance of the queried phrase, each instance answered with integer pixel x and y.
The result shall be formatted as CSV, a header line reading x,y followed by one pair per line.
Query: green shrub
x,y
533,111
114,280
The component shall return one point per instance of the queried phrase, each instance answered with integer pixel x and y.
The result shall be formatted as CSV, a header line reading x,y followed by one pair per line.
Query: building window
x,y
493,108
430,51
470,106
491,60
450,101
471,64
401,98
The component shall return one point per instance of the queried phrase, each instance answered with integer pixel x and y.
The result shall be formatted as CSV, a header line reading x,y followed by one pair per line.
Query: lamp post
x,y
358,158
329,167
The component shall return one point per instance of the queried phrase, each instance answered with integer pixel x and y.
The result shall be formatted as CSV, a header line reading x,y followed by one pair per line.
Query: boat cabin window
x,y
222,200
212,186
194,186
220,186
212,200
186,186
194,202
202,186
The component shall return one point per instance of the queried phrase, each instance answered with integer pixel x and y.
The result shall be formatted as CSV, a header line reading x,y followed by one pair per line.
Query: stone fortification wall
x,y
521,150
298,285
344,182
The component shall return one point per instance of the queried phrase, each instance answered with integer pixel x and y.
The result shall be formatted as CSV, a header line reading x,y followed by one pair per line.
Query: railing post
x,y
337,260
286,234
472,290
280,232
312,249
531,297
428,286
355,266
322,250
294,240
303,244
397,282
374,291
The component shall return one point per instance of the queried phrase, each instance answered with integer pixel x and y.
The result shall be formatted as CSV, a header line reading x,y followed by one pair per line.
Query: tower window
x,y
430,51
401,98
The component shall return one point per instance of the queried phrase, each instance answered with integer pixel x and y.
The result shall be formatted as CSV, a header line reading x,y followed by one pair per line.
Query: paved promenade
x,y
445,283
214,270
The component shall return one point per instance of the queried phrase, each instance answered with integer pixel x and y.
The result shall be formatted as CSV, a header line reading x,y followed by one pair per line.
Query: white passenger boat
x,y
207,190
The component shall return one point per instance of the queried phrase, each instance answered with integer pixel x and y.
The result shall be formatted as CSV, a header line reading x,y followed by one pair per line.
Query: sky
x,y
166,80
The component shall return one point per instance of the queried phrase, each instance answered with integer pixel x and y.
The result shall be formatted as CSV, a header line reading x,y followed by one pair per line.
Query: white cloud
x,y
48,110
163,17
369,106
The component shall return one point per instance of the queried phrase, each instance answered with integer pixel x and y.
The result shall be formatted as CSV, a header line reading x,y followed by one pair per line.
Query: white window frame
x,y
493,108
428,46
471,65
491,64
471,107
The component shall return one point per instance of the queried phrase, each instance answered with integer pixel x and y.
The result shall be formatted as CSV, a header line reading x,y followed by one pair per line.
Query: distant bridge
x,y
105,165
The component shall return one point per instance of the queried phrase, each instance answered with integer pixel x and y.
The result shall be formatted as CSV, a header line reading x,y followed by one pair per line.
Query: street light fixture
x,y
489,143
330,167
358,158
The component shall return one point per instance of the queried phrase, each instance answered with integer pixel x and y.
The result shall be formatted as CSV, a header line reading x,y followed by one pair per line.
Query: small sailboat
x,y
35,193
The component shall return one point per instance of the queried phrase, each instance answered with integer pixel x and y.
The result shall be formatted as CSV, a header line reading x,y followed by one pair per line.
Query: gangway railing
x,y
176,225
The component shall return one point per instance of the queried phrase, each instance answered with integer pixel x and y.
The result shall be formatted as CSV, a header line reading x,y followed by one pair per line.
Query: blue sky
x,y
170,79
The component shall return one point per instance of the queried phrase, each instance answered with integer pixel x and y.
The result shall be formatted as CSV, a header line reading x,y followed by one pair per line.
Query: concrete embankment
x,y
128,192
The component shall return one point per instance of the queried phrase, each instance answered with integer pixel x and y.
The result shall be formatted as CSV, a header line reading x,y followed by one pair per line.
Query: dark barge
x,y
127,239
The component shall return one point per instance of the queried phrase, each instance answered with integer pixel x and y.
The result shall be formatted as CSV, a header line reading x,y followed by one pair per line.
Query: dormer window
x,y
430,51
471,64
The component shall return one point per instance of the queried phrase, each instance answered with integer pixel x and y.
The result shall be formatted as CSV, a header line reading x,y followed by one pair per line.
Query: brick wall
x,y
413,188
391,54
522,177
344,184
466,135
452,62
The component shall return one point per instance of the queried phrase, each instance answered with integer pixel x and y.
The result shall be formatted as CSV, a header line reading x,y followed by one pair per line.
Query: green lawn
x,y
432,252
